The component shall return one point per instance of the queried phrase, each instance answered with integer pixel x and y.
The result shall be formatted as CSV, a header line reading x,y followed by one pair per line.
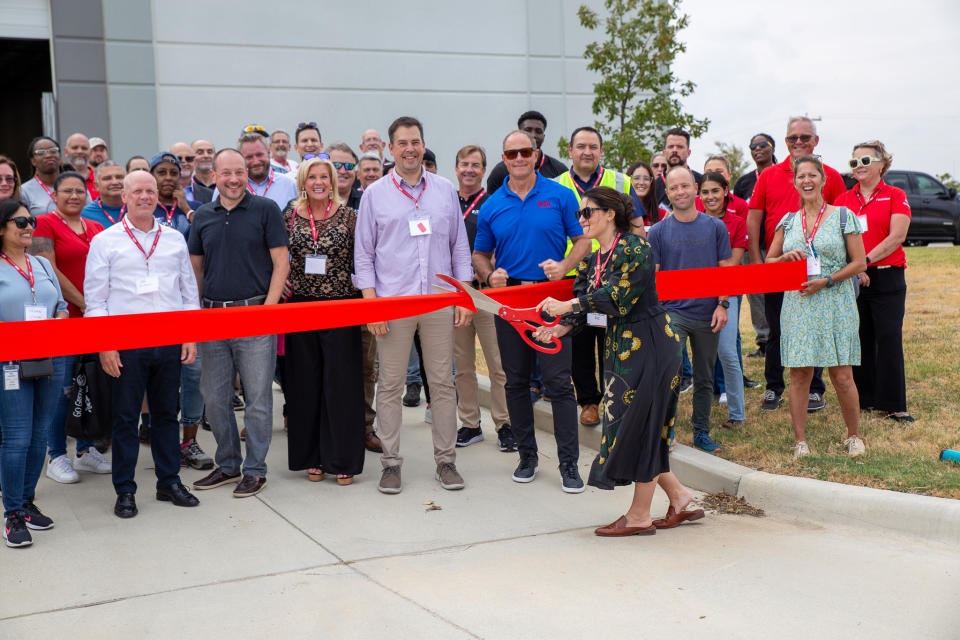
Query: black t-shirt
x,y
470,221
356,192
743,188
235,245
661,185
547,166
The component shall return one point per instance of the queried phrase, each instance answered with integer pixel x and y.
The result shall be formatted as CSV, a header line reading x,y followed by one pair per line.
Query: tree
x,y
737,158
638,96
949,181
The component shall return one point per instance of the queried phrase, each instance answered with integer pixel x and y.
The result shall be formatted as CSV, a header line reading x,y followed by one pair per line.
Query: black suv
x,y
935,209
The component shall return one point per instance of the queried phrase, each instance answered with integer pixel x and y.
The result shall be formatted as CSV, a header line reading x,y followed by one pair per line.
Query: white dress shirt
x,y
115,266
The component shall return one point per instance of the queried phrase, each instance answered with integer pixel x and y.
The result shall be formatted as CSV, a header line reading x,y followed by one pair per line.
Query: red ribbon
x,y
108,333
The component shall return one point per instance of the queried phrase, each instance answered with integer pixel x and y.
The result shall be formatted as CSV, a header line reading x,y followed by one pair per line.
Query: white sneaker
x,y
800,450
92,461
855,446
60,470
428,416
723,398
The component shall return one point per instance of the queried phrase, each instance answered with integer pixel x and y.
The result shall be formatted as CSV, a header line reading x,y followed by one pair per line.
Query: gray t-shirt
x,y
690,245
15,290
36,199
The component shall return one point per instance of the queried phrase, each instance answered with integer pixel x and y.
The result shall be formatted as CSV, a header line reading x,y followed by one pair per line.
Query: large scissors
x,y
520,319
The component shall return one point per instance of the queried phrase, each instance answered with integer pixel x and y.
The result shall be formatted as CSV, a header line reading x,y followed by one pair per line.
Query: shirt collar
x,y
243,204
153,229
588,181
880,185
403,181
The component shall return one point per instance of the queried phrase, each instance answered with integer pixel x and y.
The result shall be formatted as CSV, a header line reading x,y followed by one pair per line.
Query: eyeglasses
x,y
863,161
306,125
22,222
805,138
641,180
511,154
42,152
8,179
72,192
187,158
319,156
344,165
587,212
760,145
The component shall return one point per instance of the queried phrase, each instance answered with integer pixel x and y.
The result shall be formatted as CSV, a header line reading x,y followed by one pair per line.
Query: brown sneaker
x,y
249,486
216,478
589,416
448,476
390,480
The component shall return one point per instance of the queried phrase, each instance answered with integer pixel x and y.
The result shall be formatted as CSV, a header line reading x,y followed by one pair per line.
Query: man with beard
x,y
98,152
108,208
535,124
370,170
262,179
173,208
279,150
676,149
77,154
345,162
188,164
37,193
203,174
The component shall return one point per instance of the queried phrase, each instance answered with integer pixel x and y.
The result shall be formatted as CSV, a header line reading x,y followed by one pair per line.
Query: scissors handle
x,y
525,329
526,315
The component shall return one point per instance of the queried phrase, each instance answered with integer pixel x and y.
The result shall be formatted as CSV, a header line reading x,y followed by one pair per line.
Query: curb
x,y
926,517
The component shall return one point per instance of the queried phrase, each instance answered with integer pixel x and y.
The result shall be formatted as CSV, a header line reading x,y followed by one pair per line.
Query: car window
x,y
927,186
898,180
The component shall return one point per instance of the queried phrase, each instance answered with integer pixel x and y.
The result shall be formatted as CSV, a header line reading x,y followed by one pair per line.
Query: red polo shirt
x,y
92,185
737,228
776,196
885,201
735,205
69,248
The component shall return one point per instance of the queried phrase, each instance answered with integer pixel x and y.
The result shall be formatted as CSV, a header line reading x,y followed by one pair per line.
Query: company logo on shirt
x,y
544,204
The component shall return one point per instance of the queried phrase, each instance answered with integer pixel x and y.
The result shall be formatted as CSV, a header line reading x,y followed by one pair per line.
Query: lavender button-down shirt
x,y
394,262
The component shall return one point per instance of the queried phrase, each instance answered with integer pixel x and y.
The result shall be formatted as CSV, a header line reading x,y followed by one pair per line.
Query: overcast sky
x,y
879,69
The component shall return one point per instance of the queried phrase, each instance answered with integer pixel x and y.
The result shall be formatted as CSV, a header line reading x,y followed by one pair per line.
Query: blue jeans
x,y
254,359
686,369
191,400
413,367
57,434
25,417
728,359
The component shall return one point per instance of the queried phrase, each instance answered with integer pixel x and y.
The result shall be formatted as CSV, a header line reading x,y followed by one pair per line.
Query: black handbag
x,y
38,368
89,414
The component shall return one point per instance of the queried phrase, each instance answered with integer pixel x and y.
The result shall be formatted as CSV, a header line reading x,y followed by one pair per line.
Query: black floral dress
x,y
641,364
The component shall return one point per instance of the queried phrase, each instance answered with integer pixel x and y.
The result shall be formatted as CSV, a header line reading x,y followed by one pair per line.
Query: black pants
x,y
587,351
772,369
516,361
325,408
156,371
880,378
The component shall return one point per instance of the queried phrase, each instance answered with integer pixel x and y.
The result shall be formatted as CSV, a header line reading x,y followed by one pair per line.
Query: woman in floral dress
x,y
616,286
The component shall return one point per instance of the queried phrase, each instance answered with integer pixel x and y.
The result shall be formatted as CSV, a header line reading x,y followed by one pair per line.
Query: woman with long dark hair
x,y
642,178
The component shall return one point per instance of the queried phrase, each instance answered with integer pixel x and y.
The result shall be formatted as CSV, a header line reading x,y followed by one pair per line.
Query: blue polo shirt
x,y
93,212
524,233
179,220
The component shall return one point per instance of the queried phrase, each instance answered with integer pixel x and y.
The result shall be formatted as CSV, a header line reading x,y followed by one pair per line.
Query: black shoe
x,y
758,353
15,531
685,385
771,400
527,470
816,403
178,495
750,384
102,445
249,486
238,403
505,439
412,397
571,482
144,432
126,506
467,436
34,519
205,423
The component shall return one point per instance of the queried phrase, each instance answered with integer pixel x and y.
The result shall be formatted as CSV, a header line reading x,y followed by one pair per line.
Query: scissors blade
x,y
482,302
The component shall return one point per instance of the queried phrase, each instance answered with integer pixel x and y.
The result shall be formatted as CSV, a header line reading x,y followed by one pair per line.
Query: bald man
x,y
76,153
371,142
203,171
188,166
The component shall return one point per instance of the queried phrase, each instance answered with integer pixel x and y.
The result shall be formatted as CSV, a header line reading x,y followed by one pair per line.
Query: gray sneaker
x,y
816,403
191,454
390,480
449,477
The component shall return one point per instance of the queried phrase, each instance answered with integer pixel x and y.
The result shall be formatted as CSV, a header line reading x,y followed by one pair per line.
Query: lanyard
x,y
267,188
873,196
543,158
313,224
40,182
600,268
156,239
474,203
169,214
28,275
816,225
599,178
82,236
107,213
416,201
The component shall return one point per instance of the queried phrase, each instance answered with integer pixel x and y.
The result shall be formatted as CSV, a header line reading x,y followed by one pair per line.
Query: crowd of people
x,y
194,227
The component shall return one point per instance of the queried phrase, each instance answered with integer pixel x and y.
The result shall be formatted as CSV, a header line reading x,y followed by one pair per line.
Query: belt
x,y
512,282
884,266
207,303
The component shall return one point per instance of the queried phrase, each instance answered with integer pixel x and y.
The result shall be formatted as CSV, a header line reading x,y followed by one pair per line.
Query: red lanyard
x,y
156,239
106,213
873,196
474,203
269,182
599,178
170,213
313,224
82,236
28,276
543,158
600,268
40,182
416,201
816,225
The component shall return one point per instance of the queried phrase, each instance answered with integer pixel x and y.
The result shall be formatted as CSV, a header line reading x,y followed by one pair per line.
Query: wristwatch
x,y
868,261
830,282
724,303
575,305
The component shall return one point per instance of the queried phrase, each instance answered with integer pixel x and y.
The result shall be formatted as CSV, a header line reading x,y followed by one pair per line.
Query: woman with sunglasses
x,y
884,214
28,291
323,369
9,179
617,285
37,193
761,150
63,238
819,324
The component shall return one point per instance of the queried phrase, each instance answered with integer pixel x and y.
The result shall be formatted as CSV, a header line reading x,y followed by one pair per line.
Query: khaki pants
x,y
369,352
465,360
436,338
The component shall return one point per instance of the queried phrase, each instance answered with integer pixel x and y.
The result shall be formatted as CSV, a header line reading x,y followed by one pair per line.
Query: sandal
x,y
314,475
344,479
730,425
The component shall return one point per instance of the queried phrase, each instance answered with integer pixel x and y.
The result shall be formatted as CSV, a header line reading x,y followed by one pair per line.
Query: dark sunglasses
x,y
795,139
511,154
306,125
22,222
587,212
255,128
344,165
311,156
187,158
760,145
659,165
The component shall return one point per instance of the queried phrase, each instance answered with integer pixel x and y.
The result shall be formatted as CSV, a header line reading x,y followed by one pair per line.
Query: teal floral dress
x,y
641,364
822,330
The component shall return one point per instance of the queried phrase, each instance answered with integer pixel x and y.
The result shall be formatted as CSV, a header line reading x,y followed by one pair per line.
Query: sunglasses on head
x,y
254,128
863,161
806,137
306,125
311,156
511,154
587,212
344,165
22,222
761,145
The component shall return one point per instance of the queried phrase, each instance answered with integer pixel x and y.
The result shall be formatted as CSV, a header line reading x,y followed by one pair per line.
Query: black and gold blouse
x,y
335,241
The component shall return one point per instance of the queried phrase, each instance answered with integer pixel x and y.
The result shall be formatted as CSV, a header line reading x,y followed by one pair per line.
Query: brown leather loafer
x,y
216,478
673,518
249,486
620,528
589,416
372,443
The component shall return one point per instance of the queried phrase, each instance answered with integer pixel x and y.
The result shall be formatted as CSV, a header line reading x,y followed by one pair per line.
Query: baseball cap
x,y
164,156
429,156
97,142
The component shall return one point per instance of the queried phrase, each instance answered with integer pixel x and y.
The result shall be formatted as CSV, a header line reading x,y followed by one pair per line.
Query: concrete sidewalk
x,y
499,560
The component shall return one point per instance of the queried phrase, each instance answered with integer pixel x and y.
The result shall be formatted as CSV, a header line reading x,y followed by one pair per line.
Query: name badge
x,y
34,312
148,284
813,266
420,227
11,377
597,319
315,264
863,222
